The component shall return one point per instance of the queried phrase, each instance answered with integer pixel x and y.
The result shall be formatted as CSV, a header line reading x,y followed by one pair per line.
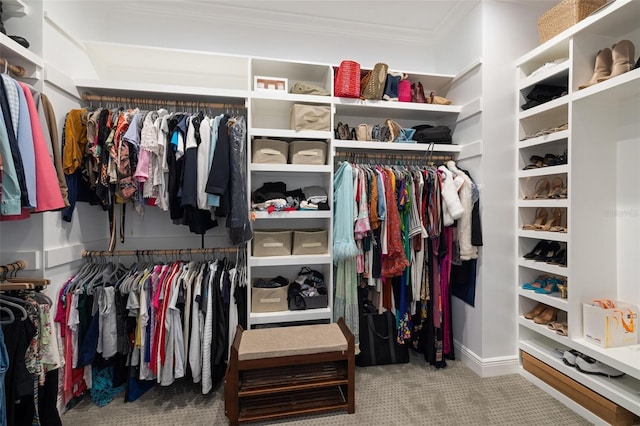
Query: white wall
x,y
509,31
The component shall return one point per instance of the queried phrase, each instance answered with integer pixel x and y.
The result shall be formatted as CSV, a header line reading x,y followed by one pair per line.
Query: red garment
x,y
396,260
48,196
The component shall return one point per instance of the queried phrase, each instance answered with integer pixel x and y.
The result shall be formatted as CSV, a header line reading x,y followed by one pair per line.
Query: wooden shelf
x,y
540,140
561,203
315,259
552,108
543,267
290,134
290,316
292,378
548,299
544,235
290,168
390,147
543,171
298,214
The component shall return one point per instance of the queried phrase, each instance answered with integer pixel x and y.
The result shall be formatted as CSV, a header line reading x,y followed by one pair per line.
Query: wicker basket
x,y
564,15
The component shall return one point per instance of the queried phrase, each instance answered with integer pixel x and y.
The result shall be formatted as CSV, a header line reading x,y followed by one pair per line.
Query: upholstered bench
x,y
285,371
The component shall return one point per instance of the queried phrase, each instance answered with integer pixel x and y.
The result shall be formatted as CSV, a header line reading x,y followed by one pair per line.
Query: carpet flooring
x,y
403,394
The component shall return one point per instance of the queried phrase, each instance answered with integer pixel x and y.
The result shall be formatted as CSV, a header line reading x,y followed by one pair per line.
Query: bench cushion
x,y
287,341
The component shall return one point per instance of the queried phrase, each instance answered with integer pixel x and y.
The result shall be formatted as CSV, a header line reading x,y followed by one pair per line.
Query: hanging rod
x,y
144,101
16,70
394,156
163,252
14,266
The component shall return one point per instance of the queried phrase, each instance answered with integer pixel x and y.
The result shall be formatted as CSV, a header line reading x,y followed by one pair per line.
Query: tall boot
x,y
623,53
602,69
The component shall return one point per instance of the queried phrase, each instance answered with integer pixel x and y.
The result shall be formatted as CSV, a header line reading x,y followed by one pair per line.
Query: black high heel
x,y
549,253
559,259
540,248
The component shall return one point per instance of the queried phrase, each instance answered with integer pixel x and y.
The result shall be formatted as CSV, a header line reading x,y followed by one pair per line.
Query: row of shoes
x,y
536,161
613,62
550,252
548,284
542,314
547,131
556,189
547,222
588,365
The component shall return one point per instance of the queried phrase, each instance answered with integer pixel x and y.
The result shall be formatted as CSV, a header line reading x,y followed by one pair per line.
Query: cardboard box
x,y
610,328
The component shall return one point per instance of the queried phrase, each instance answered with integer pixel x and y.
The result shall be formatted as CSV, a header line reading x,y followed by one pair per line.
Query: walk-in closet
x,y
238,212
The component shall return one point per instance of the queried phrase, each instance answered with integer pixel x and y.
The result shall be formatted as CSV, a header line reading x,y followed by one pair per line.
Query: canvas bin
x,y
271,243
269,151
269,299
605,327
308,152
310,242
310,117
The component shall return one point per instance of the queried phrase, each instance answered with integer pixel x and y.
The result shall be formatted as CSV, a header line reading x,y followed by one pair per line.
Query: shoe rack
x,y
590,195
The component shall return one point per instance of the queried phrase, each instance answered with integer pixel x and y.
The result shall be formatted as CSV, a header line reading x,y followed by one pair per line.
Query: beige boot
x,y
623,53
604,61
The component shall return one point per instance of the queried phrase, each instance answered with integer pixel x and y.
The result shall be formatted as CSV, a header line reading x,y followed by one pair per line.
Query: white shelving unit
x,y
603,146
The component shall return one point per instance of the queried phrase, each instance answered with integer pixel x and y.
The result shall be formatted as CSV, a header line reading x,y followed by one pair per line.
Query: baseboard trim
x,y
487,367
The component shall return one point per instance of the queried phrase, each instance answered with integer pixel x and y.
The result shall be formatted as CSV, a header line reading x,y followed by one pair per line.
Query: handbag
x,y
372,84
426,133
347,82
378,341
363,133
404,91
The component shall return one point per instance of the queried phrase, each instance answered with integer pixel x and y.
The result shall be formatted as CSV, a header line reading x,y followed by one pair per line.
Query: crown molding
x,y
245,15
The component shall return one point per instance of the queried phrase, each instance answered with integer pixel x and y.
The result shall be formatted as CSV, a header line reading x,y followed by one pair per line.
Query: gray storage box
x,y
269,299
310,117
315,302
272,243
310,242
269,151
308,152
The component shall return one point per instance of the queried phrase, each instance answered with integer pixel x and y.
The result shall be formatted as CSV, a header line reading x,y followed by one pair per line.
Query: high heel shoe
x,y
602,69
622,53
557,214
559,259
545,317
550,287
541,218
563,291
539,282
535,311
550,251
537,250
542,190
558,188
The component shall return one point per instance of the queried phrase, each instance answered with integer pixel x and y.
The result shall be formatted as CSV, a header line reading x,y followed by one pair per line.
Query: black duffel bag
x,y
426,133
378,341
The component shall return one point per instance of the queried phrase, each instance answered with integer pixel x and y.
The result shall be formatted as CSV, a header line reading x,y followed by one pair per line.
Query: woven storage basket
x,y
347,83
564,15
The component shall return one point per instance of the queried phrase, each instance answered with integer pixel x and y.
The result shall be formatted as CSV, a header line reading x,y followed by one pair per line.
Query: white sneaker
x,y
591,366
569,357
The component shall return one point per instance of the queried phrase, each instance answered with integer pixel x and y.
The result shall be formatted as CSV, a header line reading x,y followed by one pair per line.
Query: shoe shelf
x,y
296,214
624,358
553,108
544,235
544,139
555,75
543,267
316,259
563,203
622,390
620,87
543,330
543,171
552,299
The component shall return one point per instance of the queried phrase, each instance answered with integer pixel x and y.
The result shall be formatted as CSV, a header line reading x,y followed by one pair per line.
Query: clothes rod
x,y
394,156
164,252
133,101
16,70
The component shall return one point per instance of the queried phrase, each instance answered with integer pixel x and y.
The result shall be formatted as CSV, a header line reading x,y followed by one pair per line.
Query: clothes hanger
x,y
16,303
9,312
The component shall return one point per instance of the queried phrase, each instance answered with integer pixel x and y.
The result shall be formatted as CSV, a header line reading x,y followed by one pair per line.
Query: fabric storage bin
x,y
271,243
310,117
310,242
269,299
269,151
314,302
308,152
